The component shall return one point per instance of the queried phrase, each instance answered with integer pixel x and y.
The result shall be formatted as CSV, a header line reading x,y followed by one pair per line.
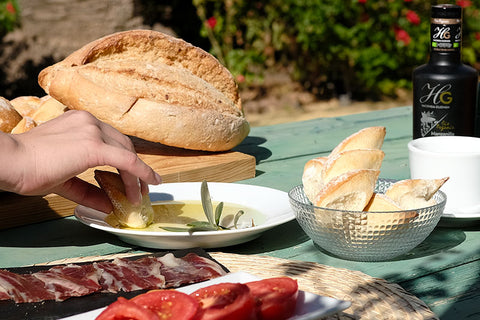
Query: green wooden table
x,y
444,271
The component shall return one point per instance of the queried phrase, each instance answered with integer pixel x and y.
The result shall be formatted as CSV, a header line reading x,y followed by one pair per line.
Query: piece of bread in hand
x,y
9,117
340,163
312,177
127,214
367,138
349,191
153,86
414,193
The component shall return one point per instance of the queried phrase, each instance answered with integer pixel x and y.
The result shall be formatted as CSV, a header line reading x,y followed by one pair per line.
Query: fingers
x,y
132,187
85,194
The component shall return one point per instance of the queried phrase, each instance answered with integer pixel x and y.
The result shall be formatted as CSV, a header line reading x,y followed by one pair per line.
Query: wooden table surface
x,y
443,271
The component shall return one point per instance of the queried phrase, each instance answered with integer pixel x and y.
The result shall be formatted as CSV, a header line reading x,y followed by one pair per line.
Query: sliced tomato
x,y
230,301
124,309
276,298
170,304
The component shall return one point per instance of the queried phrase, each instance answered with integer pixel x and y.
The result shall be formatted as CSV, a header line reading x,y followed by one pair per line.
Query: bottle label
x,y
436,101
446,34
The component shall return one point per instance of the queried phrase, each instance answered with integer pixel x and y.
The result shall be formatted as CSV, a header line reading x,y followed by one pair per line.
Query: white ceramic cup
x,y
456,157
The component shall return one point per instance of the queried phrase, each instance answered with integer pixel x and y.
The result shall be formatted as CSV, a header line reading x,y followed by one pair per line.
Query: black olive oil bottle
x,y
444,89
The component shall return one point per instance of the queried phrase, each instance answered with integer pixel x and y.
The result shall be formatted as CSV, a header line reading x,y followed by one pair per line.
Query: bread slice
x,y
48,109
381,203
24,125
26,105
153,86
9,117
385,214
127,214
348,160
367,138
312,177
414,193
349,191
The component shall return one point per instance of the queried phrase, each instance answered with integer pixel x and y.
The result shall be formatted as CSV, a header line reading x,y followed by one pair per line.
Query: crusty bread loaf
x,y
367,138
414,193
126,213
349,191
9,117
153,86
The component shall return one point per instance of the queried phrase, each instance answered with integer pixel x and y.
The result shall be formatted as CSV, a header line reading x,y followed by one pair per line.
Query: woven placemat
x,y
371,298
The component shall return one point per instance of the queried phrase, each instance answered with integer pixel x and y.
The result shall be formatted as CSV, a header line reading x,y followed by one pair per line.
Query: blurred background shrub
x,y
358,49
9,16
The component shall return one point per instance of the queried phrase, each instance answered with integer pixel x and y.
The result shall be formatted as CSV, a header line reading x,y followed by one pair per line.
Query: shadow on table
x,y
57,233
251,146
287,235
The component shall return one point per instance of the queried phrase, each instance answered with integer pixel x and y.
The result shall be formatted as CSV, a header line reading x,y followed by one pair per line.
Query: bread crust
x,y
152,86
9,117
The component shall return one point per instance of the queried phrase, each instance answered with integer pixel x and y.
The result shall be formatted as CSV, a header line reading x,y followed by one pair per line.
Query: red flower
x,y
211,22
477,35
464,3
413,17
402,36
407,0
240,78
10,8
362,1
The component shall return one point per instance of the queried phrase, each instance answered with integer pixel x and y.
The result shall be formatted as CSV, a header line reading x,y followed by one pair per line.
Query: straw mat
x,y
371,298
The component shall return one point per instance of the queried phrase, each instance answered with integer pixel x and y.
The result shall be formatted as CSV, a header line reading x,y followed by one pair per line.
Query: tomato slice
x,y
230,301
124,309
275,298
170,304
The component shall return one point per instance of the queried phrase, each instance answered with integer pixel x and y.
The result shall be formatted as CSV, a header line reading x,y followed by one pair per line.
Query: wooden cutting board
x,y
173,164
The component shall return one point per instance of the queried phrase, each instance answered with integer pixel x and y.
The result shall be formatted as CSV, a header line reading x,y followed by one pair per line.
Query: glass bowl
x,y
366,236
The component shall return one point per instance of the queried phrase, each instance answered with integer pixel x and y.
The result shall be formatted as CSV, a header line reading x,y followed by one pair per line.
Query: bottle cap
x,y
447,11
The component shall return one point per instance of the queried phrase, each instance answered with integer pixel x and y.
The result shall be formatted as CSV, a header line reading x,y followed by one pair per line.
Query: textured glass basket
x,y
366,236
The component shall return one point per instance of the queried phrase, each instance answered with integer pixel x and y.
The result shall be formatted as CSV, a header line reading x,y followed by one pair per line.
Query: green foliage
x,y
9,16
358,47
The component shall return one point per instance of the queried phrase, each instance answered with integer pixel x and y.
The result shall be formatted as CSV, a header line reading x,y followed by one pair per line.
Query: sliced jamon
x,y
189,269
130,275
70,280
24,287
146,273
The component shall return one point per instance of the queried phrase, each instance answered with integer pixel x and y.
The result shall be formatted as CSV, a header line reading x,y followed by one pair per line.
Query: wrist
x,y
10,171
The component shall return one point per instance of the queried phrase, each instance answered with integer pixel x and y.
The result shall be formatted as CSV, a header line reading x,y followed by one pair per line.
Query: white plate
x,y
309,306
272,204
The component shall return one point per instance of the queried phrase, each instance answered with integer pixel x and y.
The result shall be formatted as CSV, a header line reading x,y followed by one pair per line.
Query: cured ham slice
x,y
24,287
73,280
191,268
126,275
69,281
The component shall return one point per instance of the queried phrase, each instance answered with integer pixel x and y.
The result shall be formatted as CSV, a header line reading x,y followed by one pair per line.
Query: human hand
x,y
48,158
